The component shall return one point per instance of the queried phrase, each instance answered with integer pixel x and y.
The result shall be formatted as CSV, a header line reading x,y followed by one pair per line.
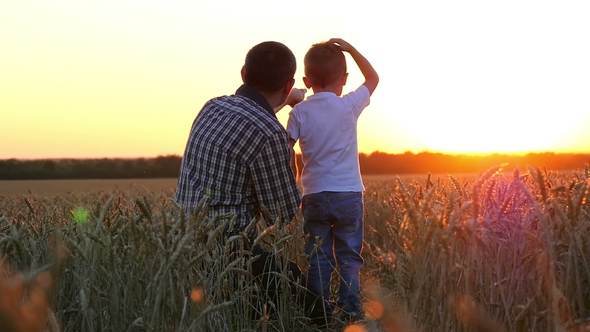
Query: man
x,y
238,159
238,156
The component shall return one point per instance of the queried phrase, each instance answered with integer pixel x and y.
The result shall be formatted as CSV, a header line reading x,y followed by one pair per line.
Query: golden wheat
x,y
452,254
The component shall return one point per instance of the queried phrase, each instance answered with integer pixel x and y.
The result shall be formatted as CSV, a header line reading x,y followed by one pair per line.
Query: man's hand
x,y
295,96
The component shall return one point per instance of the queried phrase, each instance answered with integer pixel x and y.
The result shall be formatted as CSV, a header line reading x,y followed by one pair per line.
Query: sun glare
x,y
112,79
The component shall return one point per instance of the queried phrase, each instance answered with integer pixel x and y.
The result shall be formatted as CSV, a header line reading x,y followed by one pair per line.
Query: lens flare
x,y
355,328
197,295
80,215
373,310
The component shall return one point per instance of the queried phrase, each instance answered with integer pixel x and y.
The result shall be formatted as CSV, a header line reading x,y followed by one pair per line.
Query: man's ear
x,y
243,73
343,79
306,82
288,86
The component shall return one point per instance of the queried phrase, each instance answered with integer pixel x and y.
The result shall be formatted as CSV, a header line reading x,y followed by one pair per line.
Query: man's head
x,y
325,66
269,67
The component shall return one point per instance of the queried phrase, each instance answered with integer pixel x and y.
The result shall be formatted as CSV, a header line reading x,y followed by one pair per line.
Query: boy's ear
x,y
243,73
306,82
343,79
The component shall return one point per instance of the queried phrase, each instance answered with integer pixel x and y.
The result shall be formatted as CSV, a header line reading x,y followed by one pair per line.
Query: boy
x,y
332,205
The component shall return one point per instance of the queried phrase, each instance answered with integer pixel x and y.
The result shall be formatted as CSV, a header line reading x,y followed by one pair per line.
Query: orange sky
x,y
126,78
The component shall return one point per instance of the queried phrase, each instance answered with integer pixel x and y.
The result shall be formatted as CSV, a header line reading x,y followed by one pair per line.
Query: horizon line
x,y
456,154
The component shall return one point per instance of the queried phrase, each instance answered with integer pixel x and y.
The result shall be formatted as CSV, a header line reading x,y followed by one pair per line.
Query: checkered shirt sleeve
x,y
273,178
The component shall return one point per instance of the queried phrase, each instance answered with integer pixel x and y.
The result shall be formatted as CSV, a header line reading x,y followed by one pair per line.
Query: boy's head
x,y
325,65
269,66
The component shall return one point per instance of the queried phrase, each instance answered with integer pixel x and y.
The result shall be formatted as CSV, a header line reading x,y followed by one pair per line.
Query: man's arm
x,y
293,158
274,181
371,76
186,196
294,97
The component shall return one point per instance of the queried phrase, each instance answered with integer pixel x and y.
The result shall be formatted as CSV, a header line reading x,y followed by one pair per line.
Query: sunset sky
x,y
93,79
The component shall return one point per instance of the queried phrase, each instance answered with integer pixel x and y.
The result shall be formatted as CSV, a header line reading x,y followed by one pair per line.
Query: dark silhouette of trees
x,y
428,162
374,163
160,167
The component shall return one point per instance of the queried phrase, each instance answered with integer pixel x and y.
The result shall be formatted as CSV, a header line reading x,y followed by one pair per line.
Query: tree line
x,y
374,163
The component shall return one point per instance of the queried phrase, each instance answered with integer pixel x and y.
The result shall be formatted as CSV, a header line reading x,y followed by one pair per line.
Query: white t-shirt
x,y
325,126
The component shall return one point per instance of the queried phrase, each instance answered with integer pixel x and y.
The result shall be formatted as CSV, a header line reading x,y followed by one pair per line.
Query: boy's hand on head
x,y
295,96
345,46
371,76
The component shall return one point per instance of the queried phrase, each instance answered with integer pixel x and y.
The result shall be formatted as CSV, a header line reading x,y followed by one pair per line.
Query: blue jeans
x,y
335,219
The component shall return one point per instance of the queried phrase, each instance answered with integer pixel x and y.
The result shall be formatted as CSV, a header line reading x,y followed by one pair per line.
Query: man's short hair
x,y
269,65
324,64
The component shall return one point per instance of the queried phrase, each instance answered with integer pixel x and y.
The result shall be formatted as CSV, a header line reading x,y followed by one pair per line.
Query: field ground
x,y
57,187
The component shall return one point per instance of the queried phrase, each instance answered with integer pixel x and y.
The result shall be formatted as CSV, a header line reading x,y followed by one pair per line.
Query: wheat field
x,y
495,251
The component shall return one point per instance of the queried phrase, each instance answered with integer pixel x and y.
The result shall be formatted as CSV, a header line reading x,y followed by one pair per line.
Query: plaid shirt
x,y
238,158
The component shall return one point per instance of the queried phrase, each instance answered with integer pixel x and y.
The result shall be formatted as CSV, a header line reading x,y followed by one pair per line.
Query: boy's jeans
x,y
336,220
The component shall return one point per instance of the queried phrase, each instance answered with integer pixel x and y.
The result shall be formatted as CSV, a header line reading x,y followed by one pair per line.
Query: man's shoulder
x,y
230,102
241,105
242,111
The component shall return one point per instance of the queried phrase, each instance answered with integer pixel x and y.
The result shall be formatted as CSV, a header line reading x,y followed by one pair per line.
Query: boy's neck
x,y
335,89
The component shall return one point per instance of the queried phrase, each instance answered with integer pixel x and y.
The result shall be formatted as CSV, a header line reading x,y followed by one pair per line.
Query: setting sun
x,y
126,79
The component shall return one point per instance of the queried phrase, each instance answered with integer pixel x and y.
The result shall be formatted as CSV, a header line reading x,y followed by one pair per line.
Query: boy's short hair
x,y
324,64
269,65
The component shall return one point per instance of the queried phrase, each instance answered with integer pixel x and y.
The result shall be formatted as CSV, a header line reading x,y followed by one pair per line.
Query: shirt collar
x,y
323,94
257,97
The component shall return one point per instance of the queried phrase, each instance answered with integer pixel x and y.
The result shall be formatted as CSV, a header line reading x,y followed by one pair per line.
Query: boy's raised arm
x,y
371,76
